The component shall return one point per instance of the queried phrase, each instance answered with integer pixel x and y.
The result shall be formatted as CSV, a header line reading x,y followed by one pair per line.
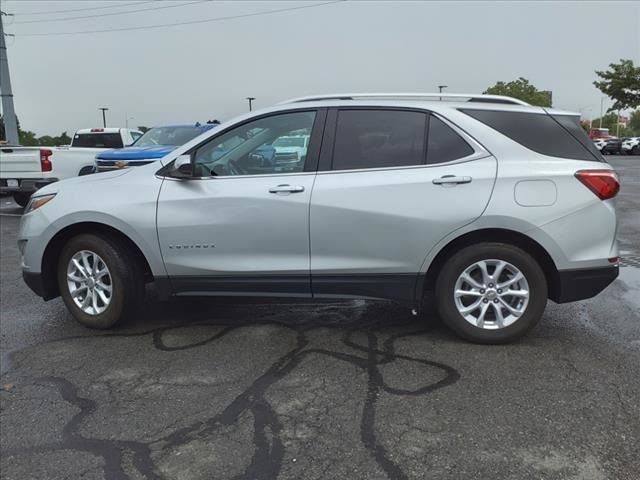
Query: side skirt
x,y
399,287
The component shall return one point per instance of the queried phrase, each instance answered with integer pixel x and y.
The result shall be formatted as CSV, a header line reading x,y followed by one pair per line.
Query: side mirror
x,y
182,167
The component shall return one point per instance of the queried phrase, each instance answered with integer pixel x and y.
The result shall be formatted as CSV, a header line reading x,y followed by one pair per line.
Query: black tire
x,y
635,150
127,280
466,257
22,198
86,171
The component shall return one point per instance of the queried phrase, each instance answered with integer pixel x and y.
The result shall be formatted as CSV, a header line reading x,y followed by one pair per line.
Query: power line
x,y
192,22
84,9
112,13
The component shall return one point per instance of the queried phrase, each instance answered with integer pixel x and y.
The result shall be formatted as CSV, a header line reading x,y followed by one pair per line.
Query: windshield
x,y
289,142
167,136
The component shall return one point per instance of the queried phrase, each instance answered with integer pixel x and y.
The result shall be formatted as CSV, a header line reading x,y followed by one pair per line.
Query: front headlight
x,y
38,201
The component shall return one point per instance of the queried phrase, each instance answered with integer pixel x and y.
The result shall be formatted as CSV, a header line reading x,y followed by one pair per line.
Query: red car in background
x,y
599,133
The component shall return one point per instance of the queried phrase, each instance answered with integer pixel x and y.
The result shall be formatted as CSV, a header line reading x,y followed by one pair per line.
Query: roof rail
x,y
472,97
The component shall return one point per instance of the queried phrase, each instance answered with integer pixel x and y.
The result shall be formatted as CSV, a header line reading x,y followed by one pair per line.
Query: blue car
x,y
154,144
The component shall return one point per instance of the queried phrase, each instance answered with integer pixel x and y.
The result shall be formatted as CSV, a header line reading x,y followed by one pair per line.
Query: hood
x,y
85,179
136,153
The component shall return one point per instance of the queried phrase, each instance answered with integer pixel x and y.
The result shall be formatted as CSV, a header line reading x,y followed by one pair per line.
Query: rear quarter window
x,y
559,136
572,125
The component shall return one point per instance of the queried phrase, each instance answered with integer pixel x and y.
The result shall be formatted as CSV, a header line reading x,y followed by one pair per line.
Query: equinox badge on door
x,y
185,247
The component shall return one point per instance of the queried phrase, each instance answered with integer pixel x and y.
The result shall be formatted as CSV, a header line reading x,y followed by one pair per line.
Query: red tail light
x,y
45,163
604,183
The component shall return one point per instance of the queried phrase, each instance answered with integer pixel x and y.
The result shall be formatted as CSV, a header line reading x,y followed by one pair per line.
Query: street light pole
x,y
601,111
441,87
251,99
104,117
10,122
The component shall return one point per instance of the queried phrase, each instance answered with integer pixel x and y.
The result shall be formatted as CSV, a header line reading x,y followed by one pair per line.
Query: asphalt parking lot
x,y
202,388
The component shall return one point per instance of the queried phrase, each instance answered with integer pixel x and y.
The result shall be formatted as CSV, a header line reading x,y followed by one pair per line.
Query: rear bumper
x,y
581,284
26,185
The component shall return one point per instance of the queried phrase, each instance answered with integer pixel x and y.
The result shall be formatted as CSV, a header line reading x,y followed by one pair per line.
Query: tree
x,y
621,83
27,138
586,125
522,90
634,122
144,129
46,141
63,139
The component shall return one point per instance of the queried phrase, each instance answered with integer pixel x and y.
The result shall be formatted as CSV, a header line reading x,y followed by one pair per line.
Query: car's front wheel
x,y
491,292
100,281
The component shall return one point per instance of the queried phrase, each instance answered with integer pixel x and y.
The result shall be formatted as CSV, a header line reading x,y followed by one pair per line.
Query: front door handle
x,y
451,179
287,189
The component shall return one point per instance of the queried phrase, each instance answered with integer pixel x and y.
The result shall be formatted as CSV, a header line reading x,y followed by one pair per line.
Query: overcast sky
x,y
203,71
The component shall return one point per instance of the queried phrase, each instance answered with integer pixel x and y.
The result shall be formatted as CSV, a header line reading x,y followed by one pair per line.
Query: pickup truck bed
x,y
23,170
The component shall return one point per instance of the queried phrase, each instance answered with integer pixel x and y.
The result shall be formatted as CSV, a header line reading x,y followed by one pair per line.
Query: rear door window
x,y
379,139
445,145
539,132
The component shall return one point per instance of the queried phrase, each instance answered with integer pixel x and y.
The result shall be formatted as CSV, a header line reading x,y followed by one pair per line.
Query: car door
x,y
241,223
394,184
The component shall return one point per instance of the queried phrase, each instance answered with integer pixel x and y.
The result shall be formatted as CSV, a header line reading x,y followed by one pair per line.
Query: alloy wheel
x,y
89,281
491,294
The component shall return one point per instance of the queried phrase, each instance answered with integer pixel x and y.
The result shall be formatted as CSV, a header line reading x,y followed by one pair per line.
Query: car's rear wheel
x,y
100,281
491,293
22,198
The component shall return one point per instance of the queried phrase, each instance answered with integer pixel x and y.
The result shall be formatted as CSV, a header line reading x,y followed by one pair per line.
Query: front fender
x,y
144,236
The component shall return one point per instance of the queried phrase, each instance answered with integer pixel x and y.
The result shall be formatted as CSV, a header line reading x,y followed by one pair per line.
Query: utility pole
x,y
441,87
9,114
104,118
601,111
251,99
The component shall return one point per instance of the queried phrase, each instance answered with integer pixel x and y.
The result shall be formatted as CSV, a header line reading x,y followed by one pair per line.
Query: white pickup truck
x,y
23,170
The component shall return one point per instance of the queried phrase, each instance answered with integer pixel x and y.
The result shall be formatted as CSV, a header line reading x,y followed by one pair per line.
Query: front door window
x,y
271,145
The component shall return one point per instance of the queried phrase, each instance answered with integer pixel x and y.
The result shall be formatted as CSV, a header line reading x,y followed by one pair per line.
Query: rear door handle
x,y
287,189
451,179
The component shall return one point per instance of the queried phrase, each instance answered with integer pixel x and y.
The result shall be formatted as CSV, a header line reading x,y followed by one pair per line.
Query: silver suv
x,y
492,204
